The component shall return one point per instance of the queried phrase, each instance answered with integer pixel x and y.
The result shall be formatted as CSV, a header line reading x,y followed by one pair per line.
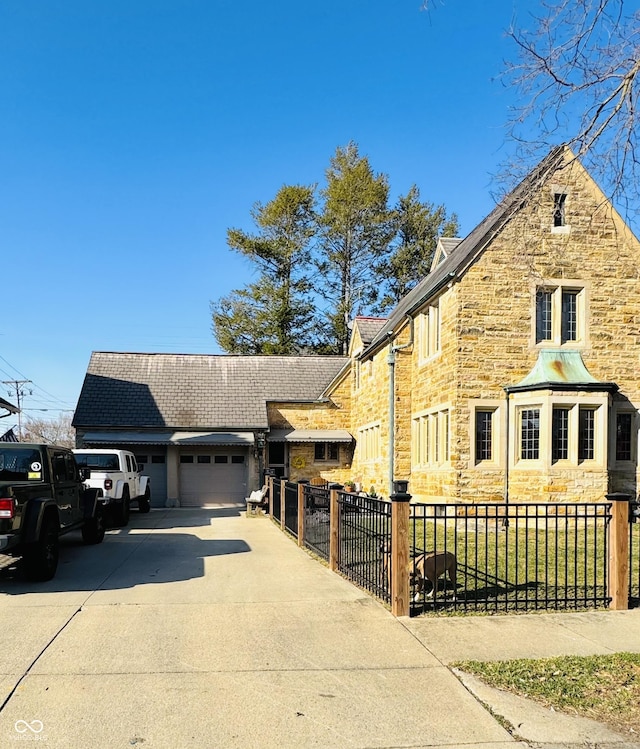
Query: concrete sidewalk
x,y
533,636
210,629
449,639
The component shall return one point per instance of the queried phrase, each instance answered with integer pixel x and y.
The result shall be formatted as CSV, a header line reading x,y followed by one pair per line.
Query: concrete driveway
x,y
204,628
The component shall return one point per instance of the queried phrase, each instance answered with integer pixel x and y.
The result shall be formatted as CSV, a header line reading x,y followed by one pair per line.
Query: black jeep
x,y
42,496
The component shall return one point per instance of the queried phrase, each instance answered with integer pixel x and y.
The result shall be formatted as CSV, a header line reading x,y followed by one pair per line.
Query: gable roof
x,y
183,391
469,248
444,247
368,327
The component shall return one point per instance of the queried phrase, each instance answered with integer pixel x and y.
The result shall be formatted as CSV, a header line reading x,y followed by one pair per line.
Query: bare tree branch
x,y
577,78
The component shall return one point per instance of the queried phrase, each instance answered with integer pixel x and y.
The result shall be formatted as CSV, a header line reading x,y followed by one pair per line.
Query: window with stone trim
x,y
559,213
560,312
573,433
328,451
530,434
429,332
369,442
586,433
485,434
561,431
431,438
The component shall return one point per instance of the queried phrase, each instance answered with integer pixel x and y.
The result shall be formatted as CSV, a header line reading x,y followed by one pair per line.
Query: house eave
x,y
585,387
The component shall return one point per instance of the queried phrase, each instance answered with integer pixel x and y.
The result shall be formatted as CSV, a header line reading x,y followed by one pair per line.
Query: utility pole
x,y
20,392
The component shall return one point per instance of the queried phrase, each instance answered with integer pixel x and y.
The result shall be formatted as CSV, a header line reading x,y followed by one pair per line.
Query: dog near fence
x,y
428,566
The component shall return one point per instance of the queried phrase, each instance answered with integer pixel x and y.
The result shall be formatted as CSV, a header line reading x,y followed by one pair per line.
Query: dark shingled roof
x,y
468,249
449,244
196,391
368,327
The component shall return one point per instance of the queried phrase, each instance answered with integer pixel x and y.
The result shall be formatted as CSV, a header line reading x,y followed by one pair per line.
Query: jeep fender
x,y
32,521
118,489
144,483
92,500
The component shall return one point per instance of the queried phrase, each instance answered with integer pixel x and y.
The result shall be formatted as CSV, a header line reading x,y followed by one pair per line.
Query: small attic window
x,y
559,217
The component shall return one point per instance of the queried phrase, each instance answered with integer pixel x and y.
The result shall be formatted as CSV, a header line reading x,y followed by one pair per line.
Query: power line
x,y
54,399
18,385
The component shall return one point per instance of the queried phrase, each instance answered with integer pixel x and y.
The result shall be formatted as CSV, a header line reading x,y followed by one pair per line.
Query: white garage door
x,y
154,466
213,477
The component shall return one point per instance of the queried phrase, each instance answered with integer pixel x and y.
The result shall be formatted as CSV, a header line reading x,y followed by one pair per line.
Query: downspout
x,y
505,521
506,453
391,360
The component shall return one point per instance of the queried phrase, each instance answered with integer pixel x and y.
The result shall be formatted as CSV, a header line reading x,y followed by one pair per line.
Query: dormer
x,y
445,246
363,331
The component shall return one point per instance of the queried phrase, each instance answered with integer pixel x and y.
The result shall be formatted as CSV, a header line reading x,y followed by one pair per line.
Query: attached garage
x,y
154,465
212,477
207,468
205,416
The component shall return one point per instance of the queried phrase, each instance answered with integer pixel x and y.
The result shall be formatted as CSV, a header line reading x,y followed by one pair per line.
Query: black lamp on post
x,y
400,492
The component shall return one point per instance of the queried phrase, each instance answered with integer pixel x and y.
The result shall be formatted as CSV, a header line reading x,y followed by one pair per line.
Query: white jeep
x,y
116,473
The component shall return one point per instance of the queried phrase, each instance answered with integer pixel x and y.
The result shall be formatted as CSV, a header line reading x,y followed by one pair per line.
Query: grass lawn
x,y
605,688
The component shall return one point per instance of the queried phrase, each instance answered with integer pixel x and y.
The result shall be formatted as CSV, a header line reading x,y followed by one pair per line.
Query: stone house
x,y
509,372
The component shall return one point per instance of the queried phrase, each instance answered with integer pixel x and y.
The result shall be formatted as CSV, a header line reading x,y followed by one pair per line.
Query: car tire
x,y
41,557
123,510
144,502
94,528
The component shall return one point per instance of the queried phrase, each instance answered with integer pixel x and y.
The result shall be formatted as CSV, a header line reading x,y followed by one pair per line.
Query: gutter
x,y
445,281
376,345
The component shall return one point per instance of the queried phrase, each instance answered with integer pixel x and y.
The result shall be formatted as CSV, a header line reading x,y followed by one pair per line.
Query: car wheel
x,y
123,509
94,528
41,557
144,503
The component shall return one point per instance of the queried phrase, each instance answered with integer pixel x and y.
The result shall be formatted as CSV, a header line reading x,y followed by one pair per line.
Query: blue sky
x,y
133,133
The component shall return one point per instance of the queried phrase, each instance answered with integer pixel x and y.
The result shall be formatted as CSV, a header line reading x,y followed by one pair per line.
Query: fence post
x,y
270,480
334,530
400,500
300,514
619,551
283,489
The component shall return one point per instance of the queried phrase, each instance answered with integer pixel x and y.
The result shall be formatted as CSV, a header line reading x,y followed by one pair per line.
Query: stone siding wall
x,y
495,329
487,342
332,415
370,399
434,386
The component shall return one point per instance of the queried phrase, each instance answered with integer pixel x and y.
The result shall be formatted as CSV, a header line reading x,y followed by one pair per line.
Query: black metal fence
x,y
364,527
484,557
276,500
317,530
291,508
520,557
